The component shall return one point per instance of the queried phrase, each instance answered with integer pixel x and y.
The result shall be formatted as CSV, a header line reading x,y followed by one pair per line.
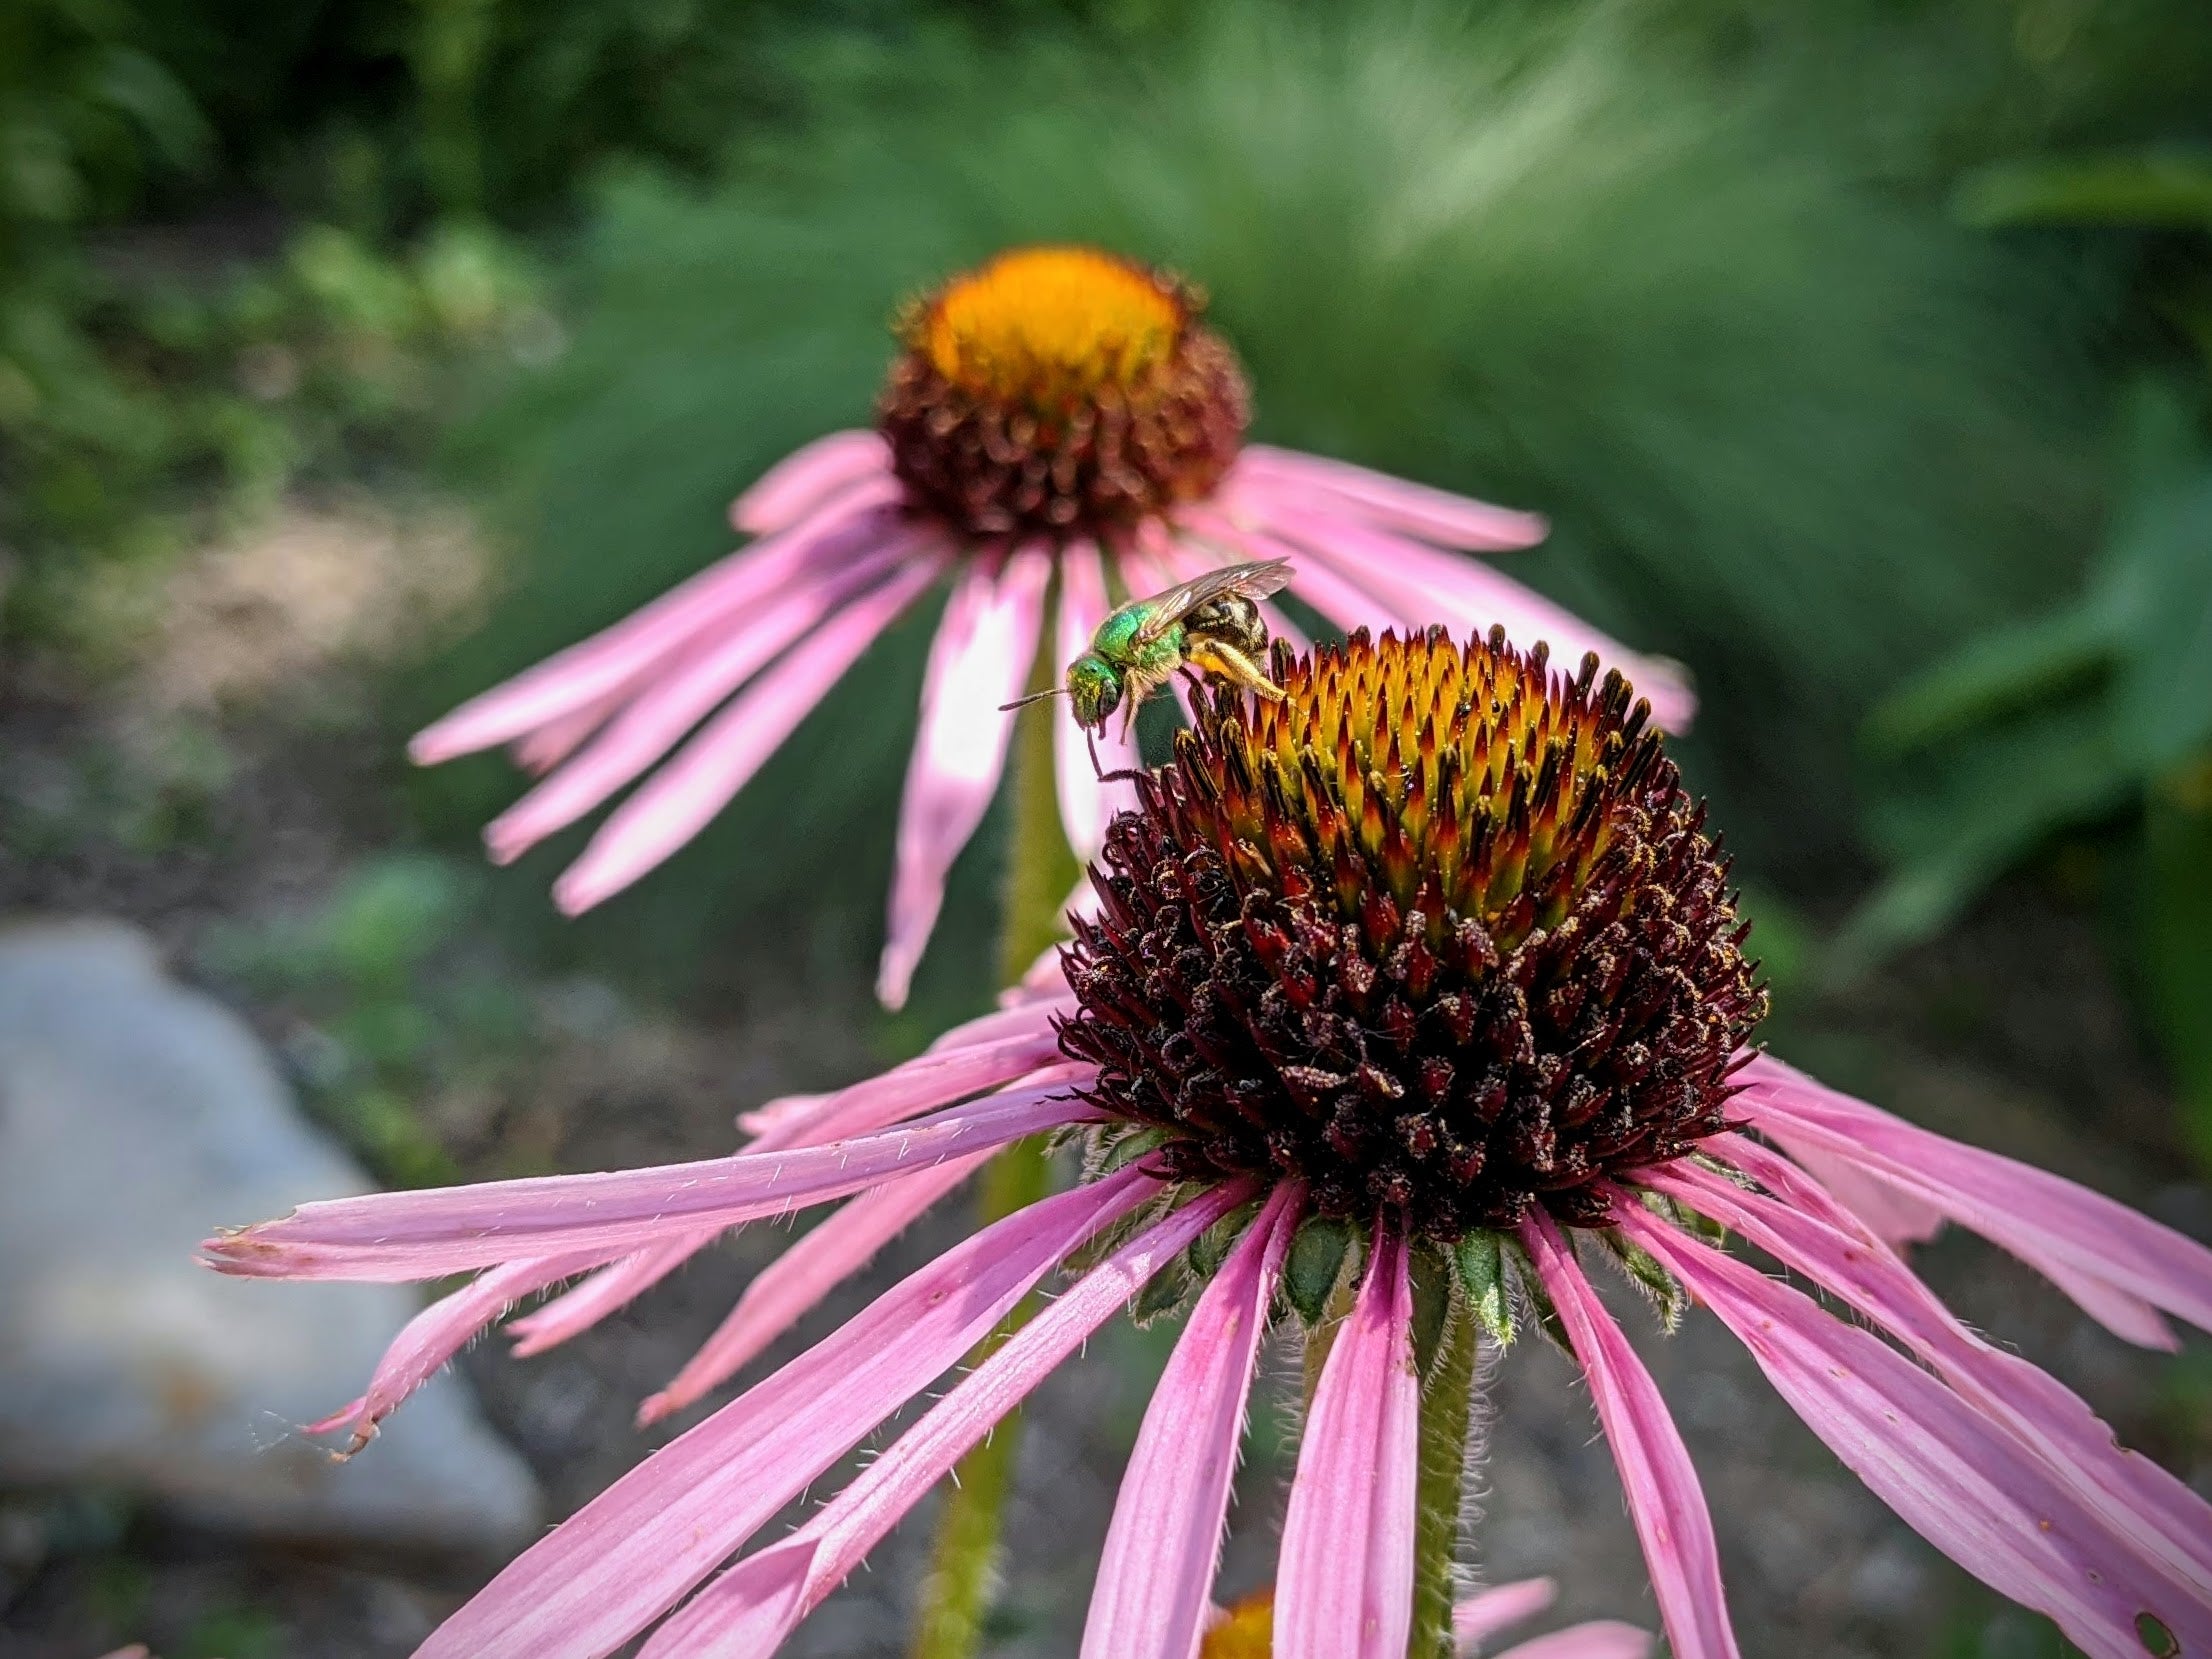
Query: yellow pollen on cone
x,y
1050,323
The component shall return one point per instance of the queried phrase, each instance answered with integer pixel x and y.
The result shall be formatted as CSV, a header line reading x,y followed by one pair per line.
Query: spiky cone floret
x,y
1058,432
1439,933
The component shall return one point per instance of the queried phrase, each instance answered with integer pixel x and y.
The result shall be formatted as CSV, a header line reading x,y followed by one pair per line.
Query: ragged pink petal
x,y
1087,805
1962,1482
679,800
790,1286
1156,1574
771,1117
422,1235
978,661
658,715
1604,1639
427,1341
2039,1217
802,481
593,668
630,1554
1344,1581
1664,1497
1808,1232
1415,509
1895,1217
1485,1613
612,1288
1020,1011
751,1608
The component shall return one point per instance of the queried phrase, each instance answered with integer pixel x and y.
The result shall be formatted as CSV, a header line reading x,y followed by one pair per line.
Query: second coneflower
x,y
1408,999
1058,425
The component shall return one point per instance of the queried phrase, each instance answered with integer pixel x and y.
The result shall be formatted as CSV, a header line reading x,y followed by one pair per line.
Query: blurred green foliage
x,y
2095,717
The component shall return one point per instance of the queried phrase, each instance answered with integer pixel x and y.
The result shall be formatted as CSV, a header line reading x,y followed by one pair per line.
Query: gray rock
x,y
135,1116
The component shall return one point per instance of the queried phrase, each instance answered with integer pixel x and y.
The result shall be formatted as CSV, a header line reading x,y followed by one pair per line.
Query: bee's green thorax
x,y
1116,641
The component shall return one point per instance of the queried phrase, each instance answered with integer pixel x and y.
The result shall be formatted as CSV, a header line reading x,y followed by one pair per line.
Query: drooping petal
x,y
1416,509
1960,1481
657,716
1664,1497
631,1553
929,1080
802,481
2037,1216
679,800
1806,1231
790,1286
421,1235
1344,1585
1602,1639
1087,805
750,1609
1156,1574
427,1341
979,660
1897,1218
1485,1613
589,670
612,1288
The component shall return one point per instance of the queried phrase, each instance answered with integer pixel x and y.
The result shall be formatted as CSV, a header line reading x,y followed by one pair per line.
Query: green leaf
x,y
1659,1287
2170,191
2174,941
1211,1248
1479,1261
1540,1306
1317,1260
2162,699
1167,1292
1989,808
1995,675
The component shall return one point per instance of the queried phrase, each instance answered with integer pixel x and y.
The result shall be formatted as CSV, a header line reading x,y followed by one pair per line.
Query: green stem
x,y
1041,872
1447,1413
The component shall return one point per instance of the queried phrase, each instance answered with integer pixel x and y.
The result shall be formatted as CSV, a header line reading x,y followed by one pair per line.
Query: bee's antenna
x,y
1033,697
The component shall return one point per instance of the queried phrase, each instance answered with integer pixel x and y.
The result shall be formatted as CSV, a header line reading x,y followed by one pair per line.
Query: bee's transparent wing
x,y
1250,581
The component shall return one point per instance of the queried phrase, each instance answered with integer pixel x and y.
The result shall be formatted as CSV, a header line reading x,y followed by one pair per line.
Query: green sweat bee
x,y
1210,624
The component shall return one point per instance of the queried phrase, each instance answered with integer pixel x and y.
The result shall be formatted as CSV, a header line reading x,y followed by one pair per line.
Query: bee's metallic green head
x,y
1094,688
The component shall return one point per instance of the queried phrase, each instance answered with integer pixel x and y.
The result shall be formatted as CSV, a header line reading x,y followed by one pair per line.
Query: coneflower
x,y
1059,430
1405,1000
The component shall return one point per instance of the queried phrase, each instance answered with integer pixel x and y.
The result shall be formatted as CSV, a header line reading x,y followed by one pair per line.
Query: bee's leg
x,y
1126,775
1237,668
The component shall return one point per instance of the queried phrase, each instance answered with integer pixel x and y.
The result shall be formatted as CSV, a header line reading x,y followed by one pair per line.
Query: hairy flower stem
x,y
1041,871
1447,1413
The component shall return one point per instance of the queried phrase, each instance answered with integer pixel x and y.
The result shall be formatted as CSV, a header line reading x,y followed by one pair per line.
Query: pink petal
x,y
1960,1481
790,1286
2037,1216
421,1235
1018,1012
929,1080
1156,1575
979,660
1605,1639
1805,1230
627,1556
1664,1497
678,801
427,1341
1897,1218
1344,1579
752,1607
1087,806
613,1287
1469,597
658,715
592,669
1416,509
799,483
1487,1612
